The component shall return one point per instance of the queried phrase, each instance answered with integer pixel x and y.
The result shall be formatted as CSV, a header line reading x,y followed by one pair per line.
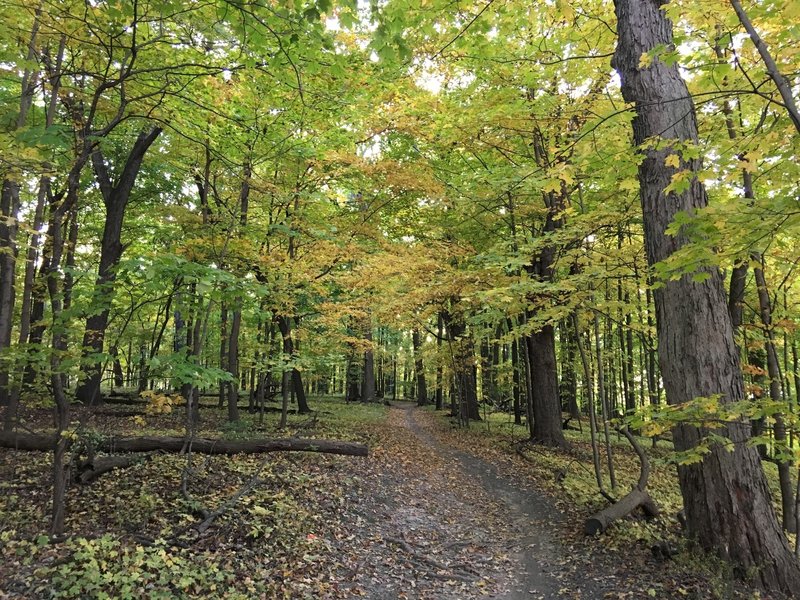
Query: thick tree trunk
x,y
547,429
463,360
115,197
300,392
726,499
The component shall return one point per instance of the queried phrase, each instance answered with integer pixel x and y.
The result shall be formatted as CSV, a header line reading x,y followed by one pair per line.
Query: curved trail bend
x,y
443,524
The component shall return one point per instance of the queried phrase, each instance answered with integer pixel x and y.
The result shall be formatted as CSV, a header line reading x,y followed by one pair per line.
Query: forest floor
x,y
434,512
489,518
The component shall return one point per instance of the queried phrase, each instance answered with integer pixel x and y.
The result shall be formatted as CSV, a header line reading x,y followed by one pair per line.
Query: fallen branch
x,y
637,497
33,441
89,471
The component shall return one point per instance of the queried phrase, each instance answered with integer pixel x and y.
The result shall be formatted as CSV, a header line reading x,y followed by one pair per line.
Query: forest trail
x,y
441,523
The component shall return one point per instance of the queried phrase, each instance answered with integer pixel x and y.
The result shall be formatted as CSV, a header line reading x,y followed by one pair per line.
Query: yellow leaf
x,y
673,160
552,185
645,60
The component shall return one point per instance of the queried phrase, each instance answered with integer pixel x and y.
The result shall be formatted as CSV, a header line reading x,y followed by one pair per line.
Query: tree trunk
x,y
463,360
547,429
588,384
776,395
223,350
516,382
637,497
233,366
9,206
726,499
439,370
33,441
352,393
419,368
368,385
285,326
300,392
568,388
9,209
115,197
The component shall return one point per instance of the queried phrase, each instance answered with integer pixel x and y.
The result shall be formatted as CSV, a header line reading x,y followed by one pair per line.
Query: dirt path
x,y
433,522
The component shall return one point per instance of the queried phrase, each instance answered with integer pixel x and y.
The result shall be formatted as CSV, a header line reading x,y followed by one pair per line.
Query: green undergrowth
x,y
132,533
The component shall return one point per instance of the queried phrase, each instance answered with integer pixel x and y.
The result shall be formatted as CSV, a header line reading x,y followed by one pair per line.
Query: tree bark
x,y
547,428
233,366
33,441
726,499
368,385
116,195
463,360
419,368
9,209
9,206
776,395
285,326
439,370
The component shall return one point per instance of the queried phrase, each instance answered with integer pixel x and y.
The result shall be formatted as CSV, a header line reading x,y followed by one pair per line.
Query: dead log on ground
x,y
34,441
88,472
637,497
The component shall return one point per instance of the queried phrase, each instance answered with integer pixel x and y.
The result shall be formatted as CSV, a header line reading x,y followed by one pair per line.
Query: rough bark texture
x,y
547,428
545,399
32,441
463,359
727,502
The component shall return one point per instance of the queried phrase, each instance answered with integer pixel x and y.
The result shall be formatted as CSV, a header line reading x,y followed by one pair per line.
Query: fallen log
x,y
34,441
88,472
636,498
